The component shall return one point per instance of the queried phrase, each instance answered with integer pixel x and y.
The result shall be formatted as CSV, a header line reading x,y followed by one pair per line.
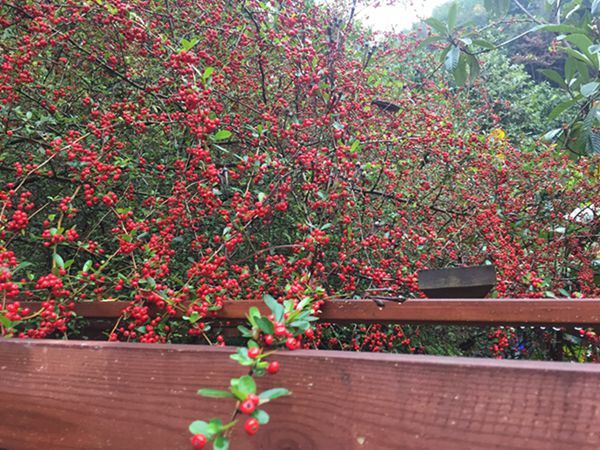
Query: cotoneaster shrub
x,y
181,157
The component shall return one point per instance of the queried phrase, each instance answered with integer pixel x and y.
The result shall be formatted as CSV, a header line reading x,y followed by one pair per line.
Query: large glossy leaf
x,y
460,74
484,44
452,13
561,108
452,58
590,89
554,76
437,25
430,40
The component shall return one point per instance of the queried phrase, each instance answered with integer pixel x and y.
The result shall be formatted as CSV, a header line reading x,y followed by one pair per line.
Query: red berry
x,y
253,398
273,367
268,339
198,441
253,352
247,406
291,343
251,426
310,333
280,330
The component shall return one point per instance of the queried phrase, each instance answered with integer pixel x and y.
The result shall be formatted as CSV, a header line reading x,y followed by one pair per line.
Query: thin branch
x,y
260,64
527,13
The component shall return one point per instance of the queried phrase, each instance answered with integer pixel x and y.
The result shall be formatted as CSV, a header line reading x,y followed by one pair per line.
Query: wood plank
x,y
75,395
549,312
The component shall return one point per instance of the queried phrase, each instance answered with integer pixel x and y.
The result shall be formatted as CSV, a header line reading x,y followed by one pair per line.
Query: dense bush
x,y
179,156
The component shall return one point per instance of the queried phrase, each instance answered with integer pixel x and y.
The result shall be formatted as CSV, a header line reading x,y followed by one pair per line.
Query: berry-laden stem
x,y
285,326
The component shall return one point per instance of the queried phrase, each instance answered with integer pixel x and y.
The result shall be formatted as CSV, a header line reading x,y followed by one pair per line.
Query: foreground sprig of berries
x,y
198,441
251,426
284,327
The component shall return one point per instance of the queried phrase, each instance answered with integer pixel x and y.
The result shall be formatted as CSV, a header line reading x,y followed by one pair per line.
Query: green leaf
x,y
564,293
253,314
242,357
288,305
577,55
302,325
560,108
221,443
557,28
554,76
215,393
246,385
552,134
188,45
58,260
594,48
265,325
214,426
581,41
484,44
474,68
245,331
272,394
451,60
304,303
5,321
275,307
589,89
588,123
460,74
452,13
198,427
583,69
22,266
437,25
570,68
207,73
261,416
430,40
243,361
596,7
222,135
111,9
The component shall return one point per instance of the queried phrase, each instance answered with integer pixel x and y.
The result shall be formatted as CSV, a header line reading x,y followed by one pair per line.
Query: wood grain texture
x,y
580,312
74,395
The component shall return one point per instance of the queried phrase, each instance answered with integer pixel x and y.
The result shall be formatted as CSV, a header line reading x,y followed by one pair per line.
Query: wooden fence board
x,y
76,395
549,312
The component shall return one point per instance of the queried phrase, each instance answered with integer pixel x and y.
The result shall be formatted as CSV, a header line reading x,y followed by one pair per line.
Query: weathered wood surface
x,y
74,395
549,312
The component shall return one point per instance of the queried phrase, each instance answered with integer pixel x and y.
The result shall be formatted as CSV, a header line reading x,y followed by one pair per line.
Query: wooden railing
x,y
550,312
98,395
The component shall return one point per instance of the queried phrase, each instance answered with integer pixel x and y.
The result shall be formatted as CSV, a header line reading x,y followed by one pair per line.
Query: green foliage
x,y
575,32
523,105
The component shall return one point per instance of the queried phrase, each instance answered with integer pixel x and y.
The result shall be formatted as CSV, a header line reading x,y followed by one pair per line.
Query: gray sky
x,y
384,18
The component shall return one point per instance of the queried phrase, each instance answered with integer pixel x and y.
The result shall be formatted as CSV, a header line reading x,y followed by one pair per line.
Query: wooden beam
x,y
549,312
90,395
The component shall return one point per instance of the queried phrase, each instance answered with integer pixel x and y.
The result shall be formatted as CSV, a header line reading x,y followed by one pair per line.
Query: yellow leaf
x,y
498,134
